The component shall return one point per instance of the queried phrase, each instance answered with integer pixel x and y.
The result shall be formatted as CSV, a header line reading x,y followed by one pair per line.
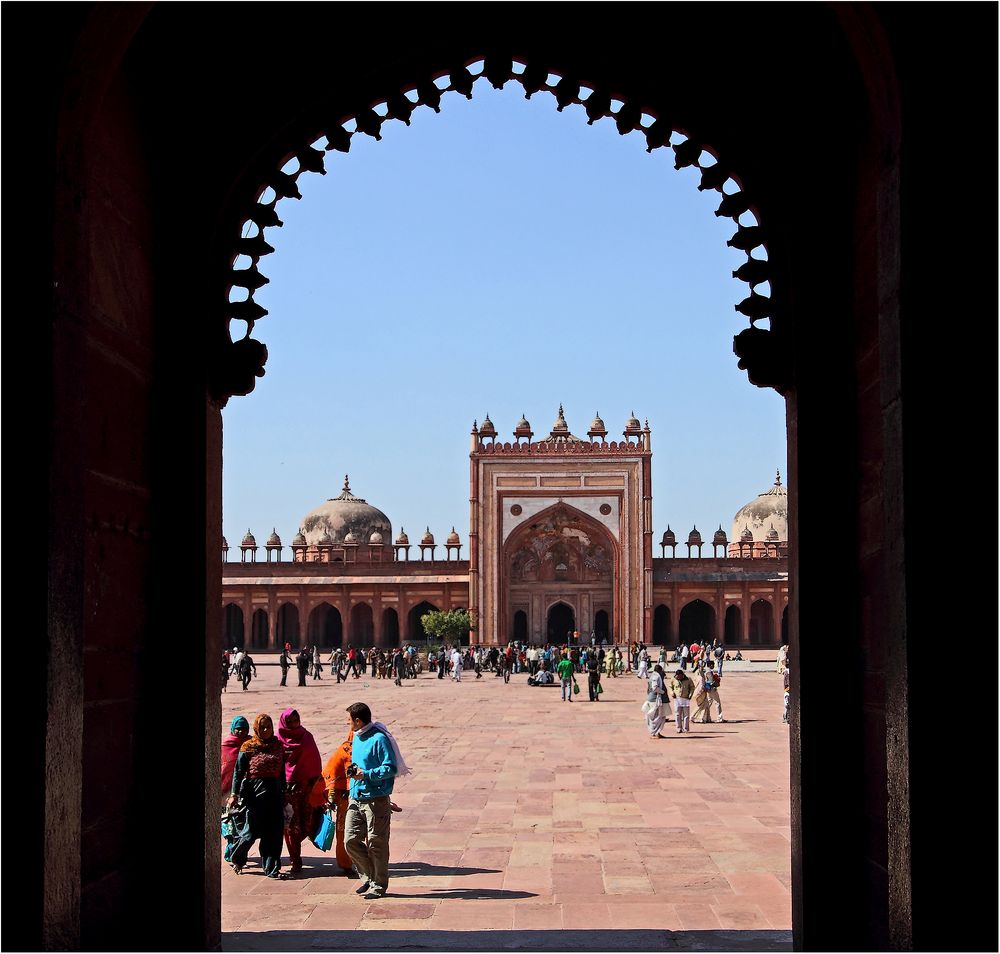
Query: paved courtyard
x,y
532,824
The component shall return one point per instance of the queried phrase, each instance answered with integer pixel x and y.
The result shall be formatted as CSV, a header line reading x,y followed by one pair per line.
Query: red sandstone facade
x,y
560,539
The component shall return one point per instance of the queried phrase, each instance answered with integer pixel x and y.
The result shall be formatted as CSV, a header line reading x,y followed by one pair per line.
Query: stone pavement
x,y
534,824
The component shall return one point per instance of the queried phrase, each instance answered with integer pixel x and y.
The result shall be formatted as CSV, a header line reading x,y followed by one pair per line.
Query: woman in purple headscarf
x,y
303,769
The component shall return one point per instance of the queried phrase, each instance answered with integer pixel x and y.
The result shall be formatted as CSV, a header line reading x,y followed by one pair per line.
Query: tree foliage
x,y
450,627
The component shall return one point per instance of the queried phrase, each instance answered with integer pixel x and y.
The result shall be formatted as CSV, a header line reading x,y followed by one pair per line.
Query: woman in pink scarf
x,y
303,768
239,732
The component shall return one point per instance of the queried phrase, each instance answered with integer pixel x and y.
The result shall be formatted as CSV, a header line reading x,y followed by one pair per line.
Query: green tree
x,y
449,627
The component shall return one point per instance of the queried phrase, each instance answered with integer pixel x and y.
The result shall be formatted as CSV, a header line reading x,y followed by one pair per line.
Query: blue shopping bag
x,y
323,837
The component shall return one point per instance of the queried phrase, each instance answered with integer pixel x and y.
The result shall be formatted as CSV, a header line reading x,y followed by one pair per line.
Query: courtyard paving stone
x,y
555,826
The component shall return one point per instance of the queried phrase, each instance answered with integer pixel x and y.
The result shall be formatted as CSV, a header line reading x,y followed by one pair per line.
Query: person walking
x,y
285,662
259,783
225,670
302,659
685,655
507,661
399,667
681,689
442,656
246,667
303,770
707,693
594,677
337,795
564,669
655,701
317,663
456,664
642,663
375,763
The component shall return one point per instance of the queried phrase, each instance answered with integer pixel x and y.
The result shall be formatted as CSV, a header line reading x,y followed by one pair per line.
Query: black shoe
x,y
374,894
363,888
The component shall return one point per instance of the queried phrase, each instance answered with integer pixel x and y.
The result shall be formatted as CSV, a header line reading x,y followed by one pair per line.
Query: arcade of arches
x,y
561,541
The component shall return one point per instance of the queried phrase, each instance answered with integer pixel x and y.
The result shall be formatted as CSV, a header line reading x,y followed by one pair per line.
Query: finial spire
x,y
777,478
347,483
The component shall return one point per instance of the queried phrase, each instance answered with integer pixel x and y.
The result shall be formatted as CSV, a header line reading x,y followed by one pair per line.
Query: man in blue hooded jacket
x,y
366,830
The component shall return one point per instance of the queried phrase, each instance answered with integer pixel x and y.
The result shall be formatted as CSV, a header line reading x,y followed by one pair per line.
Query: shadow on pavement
x,y
420,869
493,940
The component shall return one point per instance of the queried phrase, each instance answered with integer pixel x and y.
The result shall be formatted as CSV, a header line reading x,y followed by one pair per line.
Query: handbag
x,y
576,687
600,689
323,837
648,708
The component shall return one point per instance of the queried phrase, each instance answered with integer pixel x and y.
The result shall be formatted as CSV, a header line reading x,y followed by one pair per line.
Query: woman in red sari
x,y
303,769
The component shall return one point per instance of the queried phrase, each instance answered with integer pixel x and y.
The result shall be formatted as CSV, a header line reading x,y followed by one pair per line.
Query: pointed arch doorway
x,y
560,622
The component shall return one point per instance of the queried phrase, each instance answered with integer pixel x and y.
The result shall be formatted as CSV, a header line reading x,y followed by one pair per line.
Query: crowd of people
x,y
276,788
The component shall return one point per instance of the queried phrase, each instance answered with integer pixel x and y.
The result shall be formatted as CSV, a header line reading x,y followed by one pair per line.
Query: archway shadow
x,y
561,939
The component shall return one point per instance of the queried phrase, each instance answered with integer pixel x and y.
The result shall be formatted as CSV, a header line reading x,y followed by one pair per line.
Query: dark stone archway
x,y
414,628
761,623
259,629
133,446
233,635
390,627
663,633
733,626
696,623
287,626
325,628
560,621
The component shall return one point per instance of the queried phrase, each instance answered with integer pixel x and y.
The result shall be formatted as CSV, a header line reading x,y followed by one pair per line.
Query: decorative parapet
x,y
561,448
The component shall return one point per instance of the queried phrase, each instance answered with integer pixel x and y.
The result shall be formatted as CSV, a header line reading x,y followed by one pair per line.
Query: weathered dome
x,y
342,515
225,544
632,425
248,540
376,538
523,425
402,540
720,536
428,538
746,536
597,424
325,540
770,509
669,537
299,540
772,535
350,540
487,429
453,537
694,537
274,540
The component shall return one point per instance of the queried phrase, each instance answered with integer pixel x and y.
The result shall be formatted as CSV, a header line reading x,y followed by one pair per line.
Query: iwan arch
x,y
147,135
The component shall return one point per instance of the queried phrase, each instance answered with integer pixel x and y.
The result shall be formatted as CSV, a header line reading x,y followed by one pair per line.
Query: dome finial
x,y
777,478
347,483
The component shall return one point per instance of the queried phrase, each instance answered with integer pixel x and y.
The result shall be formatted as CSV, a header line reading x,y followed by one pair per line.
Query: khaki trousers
x,y
366,838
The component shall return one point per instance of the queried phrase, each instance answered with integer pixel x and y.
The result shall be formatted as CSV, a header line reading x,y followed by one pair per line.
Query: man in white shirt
x,y
456,664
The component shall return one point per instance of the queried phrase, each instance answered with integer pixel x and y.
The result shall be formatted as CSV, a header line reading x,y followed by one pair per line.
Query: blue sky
x,y
496,257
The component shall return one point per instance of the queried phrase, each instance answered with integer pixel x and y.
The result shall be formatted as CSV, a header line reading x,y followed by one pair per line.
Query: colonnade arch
x,y
362,625
259,629
287,626
325,627
761,623
733,632
415,628
390,627
696,623
663,634
233,626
